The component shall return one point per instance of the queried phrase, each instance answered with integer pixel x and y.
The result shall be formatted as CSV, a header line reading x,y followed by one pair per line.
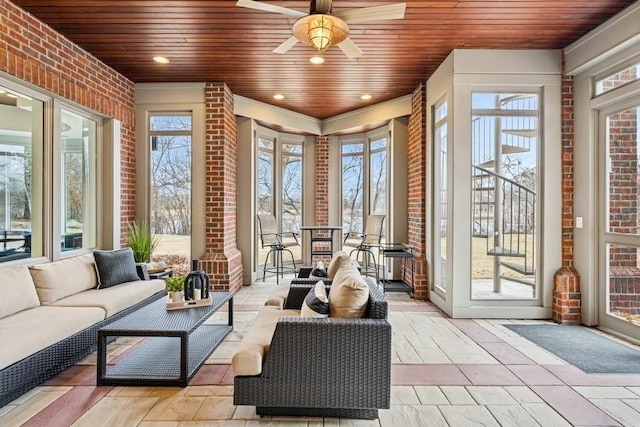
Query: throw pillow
x,y
115,267
349,294
319,272
340,259
316,303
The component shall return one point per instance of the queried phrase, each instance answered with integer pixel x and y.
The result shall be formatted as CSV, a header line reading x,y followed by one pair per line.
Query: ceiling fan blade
x,y
286,45
349,48
374,13
257,5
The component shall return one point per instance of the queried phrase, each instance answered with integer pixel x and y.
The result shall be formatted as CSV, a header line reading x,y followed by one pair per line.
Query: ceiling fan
x,y
321,28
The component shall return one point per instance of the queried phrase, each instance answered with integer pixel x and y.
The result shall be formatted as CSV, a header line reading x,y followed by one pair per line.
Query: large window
x,y
279,183
364,179
171,150
79,142
21,175
441,196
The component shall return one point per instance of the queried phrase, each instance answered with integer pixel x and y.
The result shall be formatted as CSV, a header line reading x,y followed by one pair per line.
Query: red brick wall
x,y
416,179
222,260
35,53
567,297
322,195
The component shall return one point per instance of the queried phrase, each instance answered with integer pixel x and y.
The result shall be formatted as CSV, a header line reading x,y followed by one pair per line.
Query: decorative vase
x,y
196,284
176,296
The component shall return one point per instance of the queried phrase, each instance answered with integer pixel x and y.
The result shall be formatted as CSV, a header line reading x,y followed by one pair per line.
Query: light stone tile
x,y
116,411
621,412
216,408
491,395
539,355
209,390
605,392
4,410
512,415
344,422
457,395
276,423
523,394
175,409
30,405
467,415
545,415
433,356
404,395
215,423
431,395
412,416
634,403
131,391
158,424
245,412
472,358
168,391
635,390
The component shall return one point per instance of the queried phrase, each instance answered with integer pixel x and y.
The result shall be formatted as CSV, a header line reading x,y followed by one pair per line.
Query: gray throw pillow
x,y
115,267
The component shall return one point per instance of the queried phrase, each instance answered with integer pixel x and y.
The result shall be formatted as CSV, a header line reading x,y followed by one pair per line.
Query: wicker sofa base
x,y
366,414
37,368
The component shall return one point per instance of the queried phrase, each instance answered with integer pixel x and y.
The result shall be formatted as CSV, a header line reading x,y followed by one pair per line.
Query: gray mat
x,y
583,348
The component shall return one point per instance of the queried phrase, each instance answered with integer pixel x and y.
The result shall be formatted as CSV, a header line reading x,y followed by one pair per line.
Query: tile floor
x,y
446,372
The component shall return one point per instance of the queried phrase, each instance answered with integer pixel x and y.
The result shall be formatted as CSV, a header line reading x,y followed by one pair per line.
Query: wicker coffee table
x,y
177,343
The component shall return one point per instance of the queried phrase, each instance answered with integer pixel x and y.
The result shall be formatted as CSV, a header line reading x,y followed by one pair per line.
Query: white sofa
x,y
50,314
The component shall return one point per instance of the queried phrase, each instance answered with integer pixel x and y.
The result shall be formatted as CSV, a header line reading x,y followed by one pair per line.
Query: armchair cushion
x,y
349,293
115,267
316,303
339,260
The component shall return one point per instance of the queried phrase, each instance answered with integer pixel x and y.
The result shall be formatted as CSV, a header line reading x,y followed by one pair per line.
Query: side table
x,y
401,251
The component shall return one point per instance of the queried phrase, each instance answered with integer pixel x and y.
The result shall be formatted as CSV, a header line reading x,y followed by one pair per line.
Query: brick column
x,y
416,178
322,194
222,260
567,297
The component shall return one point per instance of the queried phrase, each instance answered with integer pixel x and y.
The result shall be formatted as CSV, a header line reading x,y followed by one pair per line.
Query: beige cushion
x,y
278,297
247,359
32,330
339,260
349,293
59,279
115,298
17,290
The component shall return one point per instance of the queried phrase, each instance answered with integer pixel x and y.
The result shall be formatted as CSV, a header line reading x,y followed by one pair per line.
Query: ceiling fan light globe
x,y
320,32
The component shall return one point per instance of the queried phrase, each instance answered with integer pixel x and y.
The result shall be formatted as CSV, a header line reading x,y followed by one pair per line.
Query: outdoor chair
x,y
364,244
277,243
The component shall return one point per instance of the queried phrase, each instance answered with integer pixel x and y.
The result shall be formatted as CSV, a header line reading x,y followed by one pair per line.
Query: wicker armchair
x,y
324,367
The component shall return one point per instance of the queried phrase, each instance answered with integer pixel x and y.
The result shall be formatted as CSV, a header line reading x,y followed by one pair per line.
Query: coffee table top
x,y
155,318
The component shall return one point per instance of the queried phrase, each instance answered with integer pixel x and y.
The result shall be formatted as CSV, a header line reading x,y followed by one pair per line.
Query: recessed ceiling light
x,y
316,60
365,97
278,96
160,59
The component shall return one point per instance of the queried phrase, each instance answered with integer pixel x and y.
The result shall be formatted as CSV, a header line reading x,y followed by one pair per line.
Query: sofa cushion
x,y
32,330
115,298
59,279
247,359
278,298
339,260
115,267
349,293
316,303
17,290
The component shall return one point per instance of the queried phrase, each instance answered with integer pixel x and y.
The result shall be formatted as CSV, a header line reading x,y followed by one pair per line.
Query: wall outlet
x,y
578,222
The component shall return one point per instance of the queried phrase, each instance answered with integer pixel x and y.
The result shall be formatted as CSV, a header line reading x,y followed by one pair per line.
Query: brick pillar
x,y
567,297
322,193
222,260
416,178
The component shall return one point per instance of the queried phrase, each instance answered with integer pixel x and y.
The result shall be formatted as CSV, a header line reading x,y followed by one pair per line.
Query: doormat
x,y
582,347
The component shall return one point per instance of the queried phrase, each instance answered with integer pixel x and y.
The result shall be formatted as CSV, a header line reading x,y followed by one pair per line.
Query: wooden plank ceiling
x,y
218,41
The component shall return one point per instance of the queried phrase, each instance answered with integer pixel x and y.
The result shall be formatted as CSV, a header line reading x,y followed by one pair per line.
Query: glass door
x,y
620,230
505,139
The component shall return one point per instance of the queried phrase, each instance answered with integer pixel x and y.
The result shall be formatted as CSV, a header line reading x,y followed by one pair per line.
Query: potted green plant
x,y
140,239
175,285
